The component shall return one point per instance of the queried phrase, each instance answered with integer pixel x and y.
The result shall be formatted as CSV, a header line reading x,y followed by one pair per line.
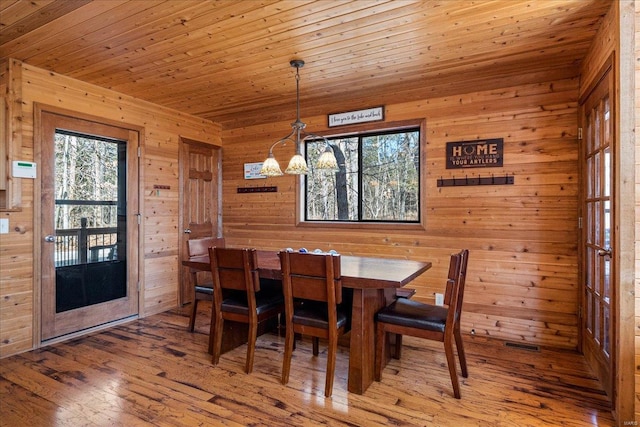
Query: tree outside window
x,y
378,180
86,170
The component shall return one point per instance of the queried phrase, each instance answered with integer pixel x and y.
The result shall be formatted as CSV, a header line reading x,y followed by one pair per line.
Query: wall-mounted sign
x,y
252,171
360,116
482,153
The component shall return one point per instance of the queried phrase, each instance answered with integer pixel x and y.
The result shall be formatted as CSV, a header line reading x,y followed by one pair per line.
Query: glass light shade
x,y
297,166
327,161
270,167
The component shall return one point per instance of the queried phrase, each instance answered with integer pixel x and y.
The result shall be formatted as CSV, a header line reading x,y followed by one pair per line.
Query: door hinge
x,y
579,312
139,219
579,222
138,286
579,133
139,152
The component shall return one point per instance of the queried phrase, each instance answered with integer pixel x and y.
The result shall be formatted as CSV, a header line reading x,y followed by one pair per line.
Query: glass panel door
x,y
598,232
90,208
89,227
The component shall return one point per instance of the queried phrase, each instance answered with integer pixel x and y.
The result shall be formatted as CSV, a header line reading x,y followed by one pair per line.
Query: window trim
x,y
368,128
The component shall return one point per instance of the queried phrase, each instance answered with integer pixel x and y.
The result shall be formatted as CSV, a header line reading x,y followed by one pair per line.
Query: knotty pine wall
x,y
522,279
158,165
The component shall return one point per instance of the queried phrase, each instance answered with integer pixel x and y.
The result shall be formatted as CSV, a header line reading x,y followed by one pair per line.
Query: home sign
x,y
482,153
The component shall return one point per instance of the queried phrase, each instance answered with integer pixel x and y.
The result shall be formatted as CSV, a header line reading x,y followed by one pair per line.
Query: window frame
x,y
378,225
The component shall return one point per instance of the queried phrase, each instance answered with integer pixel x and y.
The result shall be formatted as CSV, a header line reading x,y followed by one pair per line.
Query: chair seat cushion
x,y
265,301
315,314
205,288
406,312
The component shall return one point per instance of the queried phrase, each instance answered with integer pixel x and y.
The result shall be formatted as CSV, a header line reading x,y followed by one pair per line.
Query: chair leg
x,y
210,349
192,317
380,345
461,356
251,345
212,332
217,340
331,364
288,353
398,347
451,362
316,345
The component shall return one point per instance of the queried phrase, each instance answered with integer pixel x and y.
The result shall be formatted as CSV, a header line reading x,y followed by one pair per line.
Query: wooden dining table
x,y
374,282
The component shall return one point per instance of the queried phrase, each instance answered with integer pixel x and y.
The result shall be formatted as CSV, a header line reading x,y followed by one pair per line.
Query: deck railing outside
x,y
82,245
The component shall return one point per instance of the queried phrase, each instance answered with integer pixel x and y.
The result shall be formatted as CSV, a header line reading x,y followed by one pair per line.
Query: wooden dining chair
x,y
312,288
439,323
237,297
202,288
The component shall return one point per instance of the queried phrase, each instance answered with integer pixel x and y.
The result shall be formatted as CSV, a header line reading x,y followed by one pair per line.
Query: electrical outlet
x,y
4,225
439,299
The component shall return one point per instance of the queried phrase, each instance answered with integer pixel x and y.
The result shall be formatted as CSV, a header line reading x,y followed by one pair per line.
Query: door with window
x,y
88,224
598,237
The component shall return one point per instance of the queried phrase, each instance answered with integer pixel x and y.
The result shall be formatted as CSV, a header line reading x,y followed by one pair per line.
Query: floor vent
x,y
522,346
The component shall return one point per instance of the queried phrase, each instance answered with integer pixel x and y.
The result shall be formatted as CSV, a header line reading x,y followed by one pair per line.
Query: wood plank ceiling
x,y
228,60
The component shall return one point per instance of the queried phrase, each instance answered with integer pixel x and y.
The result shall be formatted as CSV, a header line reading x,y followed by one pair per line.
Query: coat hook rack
x,y
488,180
265,189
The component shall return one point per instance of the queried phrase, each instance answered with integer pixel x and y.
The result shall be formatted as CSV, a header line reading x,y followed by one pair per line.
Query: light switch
x,y
4,225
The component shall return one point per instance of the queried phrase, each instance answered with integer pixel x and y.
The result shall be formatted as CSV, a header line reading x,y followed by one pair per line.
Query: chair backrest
x,y
199,247
456,279
452,278
463,278
311,276
234,269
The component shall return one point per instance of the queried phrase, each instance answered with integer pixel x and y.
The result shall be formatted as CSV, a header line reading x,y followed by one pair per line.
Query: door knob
x,y
605,252
50,238
187,231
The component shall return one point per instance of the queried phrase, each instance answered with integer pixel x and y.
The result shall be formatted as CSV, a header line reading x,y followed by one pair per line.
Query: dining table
x,y
374,281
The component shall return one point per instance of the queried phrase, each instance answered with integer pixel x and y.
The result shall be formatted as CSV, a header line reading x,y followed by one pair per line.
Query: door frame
x,y
625,180
137,261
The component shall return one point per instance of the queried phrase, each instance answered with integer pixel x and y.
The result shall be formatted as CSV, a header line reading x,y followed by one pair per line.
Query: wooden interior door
x,y
200,204
598,272
89,228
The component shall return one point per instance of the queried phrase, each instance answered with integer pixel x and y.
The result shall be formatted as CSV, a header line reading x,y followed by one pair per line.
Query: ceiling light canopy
x,y
297,164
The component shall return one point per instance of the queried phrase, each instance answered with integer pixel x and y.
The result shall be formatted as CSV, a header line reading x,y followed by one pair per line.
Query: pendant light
x,y
297,164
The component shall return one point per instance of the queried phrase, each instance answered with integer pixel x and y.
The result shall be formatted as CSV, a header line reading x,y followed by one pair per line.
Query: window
x,y
378,180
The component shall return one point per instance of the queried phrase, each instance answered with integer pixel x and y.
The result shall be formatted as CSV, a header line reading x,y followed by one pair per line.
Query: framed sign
x,y
359,116
481,153
252,171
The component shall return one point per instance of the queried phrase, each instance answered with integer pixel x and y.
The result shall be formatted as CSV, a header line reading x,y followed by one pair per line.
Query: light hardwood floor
x,y
153,372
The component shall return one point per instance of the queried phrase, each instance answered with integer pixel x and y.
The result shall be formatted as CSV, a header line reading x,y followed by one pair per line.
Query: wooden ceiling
x,y
228,60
